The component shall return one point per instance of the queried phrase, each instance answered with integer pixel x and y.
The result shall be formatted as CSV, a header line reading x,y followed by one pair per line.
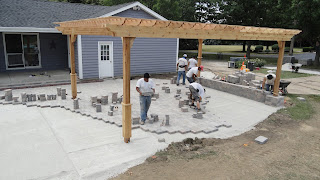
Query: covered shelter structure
x,y
130,28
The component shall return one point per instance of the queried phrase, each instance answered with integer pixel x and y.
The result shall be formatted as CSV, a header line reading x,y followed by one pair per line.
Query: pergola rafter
x,y
130,28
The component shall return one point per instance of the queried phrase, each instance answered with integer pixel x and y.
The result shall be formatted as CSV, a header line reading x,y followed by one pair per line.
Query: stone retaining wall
x,y
243,91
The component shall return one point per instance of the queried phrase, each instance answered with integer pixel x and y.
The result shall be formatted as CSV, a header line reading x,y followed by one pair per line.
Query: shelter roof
x,y
152,28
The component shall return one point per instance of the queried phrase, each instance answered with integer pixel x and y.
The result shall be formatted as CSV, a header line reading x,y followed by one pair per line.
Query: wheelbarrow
x,y
295,67
283,86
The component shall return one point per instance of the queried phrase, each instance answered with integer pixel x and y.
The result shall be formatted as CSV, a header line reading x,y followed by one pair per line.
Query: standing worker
x,y
197,94
182,68
192,62
268,81
146,89
192,73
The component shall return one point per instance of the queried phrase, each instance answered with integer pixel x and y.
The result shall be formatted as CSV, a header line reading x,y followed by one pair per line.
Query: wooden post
x,y
126,106
199,54
73,74
279,67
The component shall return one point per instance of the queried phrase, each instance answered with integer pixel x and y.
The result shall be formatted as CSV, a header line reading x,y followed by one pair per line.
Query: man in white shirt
x,y
197,93
268,81
192,62
192,73
182,68
146,89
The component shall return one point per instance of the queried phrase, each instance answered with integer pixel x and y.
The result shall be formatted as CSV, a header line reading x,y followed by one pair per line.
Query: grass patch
x,y
301,110
284,74
235,48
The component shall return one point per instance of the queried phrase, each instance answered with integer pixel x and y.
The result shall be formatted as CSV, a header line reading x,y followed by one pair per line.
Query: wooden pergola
x,y
130,28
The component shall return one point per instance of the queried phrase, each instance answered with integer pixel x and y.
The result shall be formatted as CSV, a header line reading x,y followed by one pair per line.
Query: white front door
x,y
105,58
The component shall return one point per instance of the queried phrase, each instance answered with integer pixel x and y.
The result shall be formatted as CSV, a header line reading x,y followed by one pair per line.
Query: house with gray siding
x,y
29,41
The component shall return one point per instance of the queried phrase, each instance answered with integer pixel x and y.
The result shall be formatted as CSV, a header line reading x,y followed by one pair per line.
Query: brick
x,y
167,120
15,99
59,91
110,113
233,79
76,103
98,108
135,120
114,97
261,140
104,100
184,109
276,101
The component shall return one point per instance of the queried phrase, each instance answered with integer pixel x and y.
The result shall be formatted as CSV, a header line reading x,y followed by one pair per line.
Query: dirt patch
x,y
292,152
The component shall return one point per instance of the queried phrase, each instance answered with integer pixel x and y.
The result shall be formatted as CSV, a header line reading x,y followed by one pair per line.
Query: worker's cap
x,y
201,68
146,75
185,55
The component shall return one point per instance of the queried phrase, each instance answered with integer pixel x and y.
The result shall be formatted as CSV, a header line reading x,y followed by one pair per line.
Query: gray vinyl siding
x,y
135,14
53,58
153,55
76,56
2,58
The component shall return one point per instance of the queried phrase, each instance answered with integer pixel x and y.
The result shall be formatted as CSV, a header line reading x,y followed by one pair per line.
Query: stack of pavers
x,y
241,78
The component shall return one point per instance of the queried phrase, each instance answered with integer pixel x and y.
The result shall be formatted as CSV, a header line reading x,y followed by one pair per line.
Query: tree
x,y
307,17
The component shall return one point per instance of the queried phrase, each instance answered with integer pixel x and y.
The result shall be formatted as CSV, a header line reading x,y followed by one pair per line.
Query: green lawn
x,y
284,74
235,48
214,57
301,110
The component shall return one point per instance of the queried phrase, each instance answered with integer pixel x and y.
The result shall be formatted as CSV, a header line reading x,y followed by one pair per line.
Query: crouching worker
x,y
268,81
196,94
192,73
146,89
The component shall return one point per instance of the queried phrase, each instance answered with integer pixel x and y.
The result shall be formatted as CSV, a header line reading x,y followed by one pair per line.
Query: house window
x,y
22,51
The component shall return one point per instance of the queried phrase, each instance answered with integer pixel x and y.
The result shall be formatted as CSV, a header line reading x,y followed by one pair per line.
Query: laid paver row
x,y
161,130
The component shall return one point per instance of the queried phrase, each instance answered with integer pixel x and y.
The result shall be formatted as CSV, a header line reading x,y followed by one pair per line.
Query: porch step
x,y
34,84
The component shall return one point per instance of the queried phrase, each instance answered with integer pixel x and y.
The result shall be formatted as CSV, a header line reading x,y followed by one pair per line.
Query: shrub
x,y
258,48
275,47
307,49
286,49
267,51
257,62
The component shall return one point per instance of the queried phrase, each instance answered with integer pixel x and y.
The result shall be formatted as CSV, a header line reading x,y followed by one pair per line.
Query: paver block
x,y
76,103
210,130
8,94
276,101
59,91
15,99
114,97
301,98
161,140
98,108
104,100
167,120
110,113
2,97
156,95
181,103
178,91
261,140
63,94
153,99
184,109
164,88
135,120
233,79
167,90
155,117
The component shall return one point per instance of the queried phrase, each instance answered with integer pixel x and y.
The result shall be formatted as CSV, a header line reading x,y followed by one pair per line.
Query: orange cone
x,y
242,66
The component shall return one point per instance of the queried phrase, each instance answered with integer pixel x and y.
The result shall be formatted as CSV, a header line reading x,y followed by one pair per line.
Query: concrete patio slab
x,y
80,146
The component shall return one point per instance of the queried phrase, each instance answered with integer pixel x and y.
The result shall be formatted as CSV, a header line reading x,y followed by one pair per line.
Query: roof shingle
x,y
42,13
